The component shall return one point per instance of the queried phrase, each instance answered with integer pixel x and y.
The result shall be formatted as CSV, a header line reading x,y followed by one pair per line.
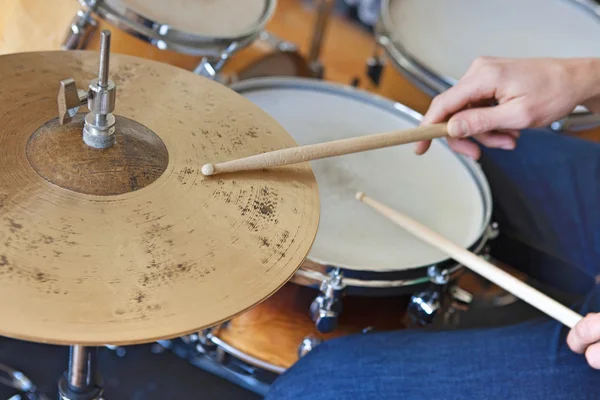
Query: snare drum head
x,y
222,18
447,36
440,188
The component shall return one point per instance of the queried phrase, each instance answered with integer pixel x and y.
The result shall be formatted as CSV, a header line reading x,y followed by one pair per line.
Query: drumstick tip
x,y
208,169
360,196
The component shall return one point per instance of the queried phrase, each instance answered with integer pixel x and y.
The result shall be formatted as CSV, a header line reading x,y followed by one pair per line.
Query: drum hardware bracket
x,y
308,343
81,381
375,65
81,29
326,307
99,125
21,382
424,306
438,276
209,68
204,342
493,231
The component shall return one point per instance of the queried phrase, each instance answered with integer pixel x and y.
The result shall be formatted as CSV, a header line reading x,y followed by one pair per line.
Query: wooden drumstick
x,y
494,274
327,149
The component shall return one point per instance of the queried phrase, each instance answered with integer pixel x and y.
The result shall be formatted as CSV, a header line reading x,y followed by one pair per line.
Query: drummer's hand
x,y
529,93
584,338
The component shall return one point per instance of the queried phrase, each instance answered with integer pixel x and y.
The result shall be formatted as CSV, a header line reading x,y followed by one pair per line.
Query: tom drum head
x,y
441,189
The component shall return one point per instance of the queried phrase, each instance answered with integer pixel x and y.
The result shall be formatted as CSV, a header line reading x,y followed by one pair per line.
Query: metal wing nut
x,y
69,100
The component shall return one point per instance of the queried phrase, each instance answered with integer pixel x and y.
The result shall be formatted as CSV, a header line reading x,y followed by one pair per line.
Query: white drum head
x,y
222,18
446,36
440,189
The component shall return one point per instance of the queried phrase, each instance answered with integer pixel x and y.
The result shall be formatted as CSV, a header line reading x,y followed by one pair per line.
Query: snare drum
x,y
355,251
433,43
192,34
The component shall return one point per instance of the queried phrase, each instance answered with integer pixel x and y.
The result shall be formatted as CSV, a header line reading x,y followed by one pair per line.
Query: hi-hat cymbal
x,y
132,244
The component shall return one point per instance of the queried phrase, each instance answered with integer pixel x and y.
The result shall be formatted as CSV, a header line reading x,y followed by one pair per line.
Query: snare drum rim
x,y
173,39
431,82
472,167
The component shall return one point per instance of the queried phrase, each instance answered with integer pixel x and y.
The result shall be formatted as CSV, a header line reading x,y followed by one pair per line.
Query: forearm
x,y
587,78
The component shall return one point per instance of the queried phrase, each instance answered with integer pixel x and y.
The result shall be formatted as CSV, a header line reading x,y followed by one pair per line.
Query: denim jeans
x,y
547,202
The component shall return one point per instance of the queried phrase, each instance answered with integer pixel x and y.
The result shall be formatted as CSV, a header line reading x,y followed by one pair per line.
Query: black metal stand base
x,y
67,392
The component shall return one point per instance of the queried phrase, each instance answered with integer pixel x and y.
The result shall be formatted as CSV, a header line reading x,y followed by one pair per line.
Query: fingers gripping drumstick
x,y
334,148
494,274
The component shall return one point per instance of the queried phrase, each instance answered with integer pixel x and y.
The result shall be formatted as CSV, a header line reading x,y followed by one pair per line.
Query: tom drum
x,y
198,35
432,43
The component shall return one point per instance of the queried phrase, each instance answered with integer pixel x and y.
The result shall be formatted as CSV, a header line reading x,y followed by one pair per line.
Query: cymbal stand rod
x,y
99,123
99,128
81,381
104,59
78,367
324,9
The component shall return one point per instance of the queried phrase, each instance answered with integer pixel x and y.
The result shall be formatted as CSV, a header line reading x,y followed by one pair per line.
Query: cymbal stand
x,y
82,380
99,125
324,9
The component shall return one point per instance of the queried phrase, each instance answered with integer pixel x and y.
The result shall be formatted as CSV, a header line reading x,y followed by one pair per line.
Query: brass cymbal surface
x,y
133,244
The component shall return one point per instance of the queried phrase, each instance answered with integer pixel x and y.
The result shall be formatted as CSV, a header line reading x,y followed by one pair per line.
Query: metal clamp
x,y
579,120
325,309
81,29
308,343
375,65
99,126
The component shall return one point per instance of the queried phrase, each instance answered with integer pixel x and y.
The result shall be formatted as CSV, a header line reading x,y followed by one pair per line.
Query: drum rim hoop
x,y
174,39
431,82
473,168
240,355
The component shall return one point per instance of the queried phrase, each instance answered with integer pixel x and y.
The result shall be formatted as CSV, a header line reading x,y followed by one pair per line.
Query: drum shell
x,y
269,336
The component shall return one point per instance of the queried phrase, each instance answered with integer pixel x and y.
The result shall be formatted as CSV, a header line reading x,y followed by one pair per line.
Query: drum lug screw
x,y
493,231
424,306
308,343
325,309
437,275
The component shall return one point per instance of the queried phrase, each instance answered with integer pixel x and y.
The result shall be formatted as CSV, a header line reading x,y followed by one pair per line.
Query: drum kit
x,y
110,234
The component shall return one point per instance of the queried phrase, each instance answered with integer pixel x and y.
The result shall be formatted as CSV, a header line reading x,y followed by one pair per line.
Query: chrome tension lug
x,y
327,306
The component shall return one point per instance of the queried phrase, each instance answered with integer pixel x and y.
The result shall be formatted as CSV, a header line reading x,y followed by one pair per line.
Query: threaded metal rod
x,y
104,58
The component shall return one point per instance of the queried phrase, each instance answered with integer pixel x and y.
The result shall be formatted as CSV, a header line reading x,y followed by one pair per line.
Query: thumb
x,y
475,121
